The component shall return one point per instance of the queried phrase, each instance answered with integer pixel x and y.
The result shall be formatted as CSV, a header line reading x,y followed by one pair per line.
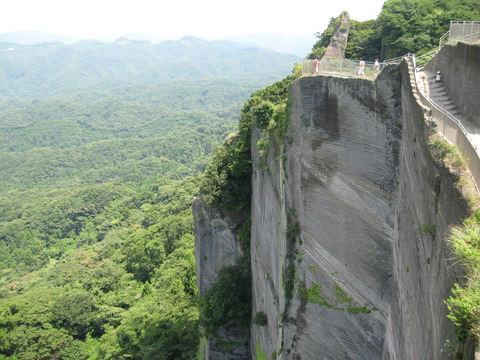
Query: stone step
x,y
450,108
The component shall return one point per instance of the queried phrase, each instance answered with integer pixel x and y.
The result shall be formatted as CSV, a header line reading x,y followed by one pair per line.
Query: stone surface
x,y
216,243
217,246
338,43
349,220
339,188
372,210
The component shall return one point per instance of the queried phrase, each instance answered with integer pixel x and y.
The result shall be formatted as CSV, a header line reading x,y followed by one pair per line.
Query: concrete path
x,y
439,96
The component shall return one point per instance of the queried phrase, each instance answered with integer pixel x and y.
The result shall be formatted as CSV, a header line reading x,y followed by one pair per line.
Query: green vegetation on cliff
x,y
226,183
464,302
403,26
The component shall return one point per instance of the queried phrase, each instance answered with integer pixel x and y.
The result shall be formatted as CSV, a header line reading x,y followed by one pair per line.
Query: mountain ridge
x,y
285,44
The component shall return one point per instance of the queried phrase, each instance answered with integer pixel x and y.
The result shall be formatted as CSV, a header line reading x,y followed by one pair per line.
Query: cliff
x,y
349,216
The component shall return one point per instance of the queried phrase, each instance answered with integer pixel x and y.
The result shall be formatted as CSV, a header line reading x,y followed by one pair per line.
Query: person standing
x,y
438,77
315,66
376,66
361,71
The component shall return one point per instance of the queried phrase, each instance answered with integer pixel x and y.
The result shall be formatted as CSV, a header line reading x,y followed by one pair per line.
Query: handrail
x,y
427,56
343,67
473,27
442,39
466,145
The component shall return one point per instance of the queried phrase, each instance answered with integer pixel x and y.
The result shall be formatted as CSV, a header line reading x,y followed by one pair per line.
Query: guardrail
x,y
468,31
452,129
463,29
342,67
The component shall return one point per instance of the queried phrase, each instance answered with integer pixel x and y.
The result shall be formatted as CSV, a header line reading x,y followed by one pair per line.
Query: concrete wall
x,y
459,66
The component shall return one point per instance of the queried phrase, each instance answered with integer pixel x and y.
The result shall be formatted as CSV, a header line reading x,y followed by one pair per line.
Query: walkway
x,y
341,68
451,124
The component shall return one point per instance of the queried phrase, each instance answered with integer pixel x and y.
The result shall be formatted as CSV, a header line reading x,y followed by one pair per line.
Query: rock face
x,y
349,216
338,42
217,246
338,195
348,257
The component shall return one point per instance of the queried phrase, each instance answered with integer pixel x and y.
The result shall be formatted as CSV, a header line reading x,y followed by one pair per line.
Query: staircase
x,y
452,124
439,95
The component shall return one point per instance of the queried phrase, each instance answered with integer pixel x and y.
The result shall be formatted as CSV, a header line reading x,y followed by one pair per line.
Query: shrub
x,y
464,302
229,299
260,319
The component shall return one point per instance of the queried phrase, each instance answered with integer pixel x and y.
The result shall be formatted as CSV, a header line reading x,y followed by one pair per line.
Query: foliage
x,y
226,184
260,354
91,302
50,69
464,302
227,300
339,301
98,143
260,318
447,154
403,26
263,114
364,40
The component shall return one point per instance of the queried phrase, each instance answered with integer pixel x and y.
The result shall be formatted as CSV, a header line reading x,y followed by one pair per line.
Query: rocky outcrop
x,y
338,43
217,246
326,289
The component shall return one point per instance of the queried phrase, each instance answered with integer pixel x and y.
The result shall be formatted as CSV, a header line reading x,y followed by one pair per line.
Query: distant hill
x,y
54,68
296,45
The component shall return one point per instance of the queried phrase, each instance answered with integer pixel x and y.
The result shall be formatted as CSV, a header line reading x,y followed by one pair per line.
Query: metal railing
x,y
423,59
452,129
463,29
342,67
468,31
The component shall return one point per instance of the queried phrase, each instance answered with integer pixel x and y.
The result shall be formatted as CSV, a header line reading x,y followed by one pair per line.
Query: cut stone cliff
x,y
349,216
338,194
217,246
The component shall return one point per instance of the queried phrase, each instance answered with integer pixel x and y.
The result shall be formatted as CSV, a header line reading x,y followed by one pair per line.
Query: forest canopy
x,y
101,147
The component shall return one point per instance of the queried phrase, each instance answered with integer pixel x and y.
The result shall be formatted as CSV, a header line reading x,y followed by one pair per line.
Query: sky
x,y
173,19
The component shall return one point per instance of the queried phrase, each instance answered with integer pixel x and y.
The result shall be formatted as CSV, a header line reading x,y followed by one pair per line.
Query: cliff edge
x,y
349,213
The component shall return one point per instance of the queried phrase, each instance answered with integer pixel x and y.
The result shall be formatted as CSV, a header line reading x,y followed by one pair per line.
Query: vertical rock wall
x,y
217,246
337,196
424,267
348,253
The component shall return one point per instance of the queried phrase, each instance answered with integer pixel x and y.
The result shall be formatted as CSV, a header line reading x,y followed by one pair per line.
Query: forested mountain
x,y
53,68
100,148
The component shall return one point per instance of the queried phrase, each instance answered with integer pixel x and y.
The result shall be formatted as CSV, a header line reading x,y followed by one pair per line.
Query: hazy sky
x,y
107,19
